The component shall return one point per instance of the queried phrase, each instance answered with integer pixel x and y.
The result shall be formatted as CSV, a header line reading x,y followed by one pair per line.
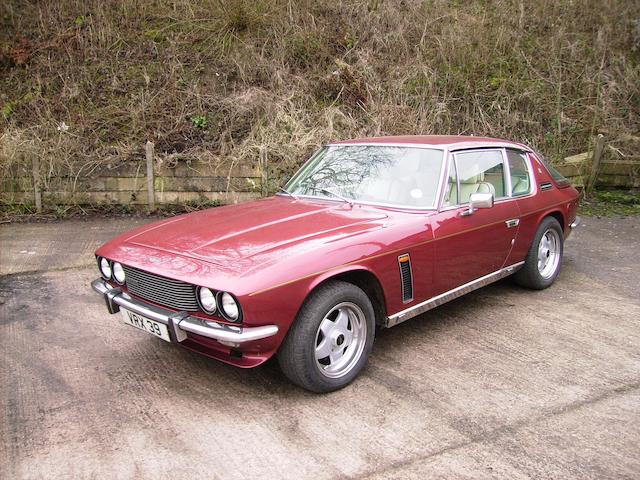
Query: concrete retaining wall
x,y
176,183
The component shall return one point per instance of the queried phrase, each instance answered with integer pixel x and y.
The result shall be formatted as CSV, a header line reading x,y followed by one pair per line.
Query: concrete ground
x,y
502,383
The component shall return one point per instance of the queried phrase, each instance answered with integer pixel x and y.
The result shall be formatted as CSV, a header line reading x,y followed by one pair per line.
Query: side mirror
x,y
478,200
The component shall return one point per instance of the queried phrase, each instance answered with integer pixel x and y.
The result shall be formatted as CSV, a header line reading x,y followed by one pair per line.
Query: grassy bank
x,y
84,84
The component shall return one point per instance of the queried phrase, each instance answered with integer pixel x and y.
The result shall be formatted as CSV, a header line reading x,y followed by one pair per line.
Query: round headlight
x,y
207,300
230,306
118,272
105,268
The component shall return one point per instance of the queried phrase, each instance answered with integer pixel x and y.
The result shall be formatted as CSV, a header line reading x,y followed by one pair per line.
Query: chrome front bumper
x,y
179,323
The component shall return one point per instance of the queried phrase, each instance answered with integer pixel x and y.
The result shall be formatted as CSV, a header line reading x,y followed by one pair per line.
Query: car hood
x,y
254,232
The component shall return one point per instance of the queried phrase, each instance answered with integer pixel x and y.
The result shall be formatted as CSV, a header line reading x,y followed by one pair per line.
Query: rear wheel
x,y
542,263
331,339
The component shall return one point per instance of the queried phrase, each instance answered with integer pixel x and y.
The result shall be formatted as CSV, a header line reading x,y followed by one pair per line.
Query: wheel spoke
x,y
335,356
348,337
324,349
326,326
342,321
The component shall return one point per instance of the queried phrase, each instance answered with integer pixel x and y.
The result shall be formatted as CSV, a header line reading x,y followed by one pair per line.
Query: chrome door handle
x,y
512,223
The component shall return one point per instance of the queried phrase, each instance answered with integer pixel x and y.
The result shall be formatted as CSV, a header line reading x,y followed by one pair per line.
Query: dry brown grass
x,y
251,80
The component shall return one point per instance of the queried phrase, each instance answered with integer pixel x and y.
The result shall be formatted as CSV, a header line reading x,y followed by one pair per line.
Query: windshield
x,y
392,175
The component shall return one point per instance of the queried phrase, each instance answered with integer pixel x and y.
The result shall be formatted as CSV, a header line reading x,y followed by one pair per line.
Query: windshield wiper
x,y
344,199
288,193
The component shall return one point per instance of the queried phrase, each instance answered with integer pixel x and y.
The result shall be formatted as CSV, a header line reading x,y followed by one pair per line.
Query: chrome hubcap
x,y
340,340
549,253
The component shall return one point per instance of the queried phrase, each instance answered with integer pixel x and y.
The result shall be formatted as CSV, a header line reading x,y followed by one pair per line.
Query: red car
x,y
368,233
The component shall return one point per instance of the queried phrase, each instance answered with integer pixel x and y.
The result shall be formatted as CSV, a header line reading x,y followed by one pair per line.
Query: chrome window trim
x,y
532,186
445,181
507,174
388,144
527,162
433,207
441,146
444,169
455,160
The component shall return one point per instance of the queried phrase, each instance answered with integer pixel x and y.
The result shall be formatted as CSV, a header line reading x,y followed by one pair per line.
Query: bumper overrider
x,y
181,323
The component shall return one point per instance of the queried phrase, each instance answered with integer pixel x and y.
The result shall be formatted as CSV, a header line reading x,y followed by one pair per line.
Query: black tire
x,y
305,339
530,275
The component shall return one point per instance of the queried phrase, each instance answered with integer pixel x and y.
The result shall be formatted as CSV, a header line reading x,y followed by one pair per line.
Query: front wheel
x,y
542,263
331,339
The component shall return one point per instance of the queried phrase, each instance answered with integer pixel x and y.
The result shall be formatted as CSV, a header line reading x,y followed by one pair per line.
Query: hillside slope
x,y
88,82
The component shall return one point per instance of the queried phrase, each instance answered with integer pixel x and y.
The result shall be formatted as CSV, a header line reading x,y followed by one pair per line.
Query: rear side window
x,y
560,180
520,175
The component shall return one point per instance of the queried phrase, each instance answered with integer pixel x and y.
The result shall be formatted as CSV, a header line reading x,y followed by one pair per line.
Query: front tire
x,y
542,263
331,339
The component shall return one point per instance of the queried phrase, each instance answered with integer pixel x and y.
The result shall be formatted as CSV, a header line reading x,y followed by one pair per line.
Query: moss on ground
x,y
607,204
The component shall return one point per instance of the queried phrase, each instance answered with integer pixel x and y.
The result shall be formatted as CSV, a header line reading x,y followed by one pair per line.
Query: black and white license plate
x,y
143,323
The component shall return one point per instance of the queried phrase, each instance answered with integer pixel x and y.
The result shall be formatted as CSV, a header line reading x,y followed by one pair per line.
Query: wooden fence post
x,y
151,195
264,166
595,165
37,193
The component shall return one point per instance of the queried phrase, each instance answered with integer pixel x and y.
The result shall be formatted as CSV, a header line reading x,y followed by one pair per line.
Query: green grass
x,y
613,203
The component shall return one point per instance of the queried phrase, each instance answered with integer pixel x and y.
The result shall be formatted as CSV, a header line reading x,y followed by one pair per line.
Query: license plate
x,y
143,323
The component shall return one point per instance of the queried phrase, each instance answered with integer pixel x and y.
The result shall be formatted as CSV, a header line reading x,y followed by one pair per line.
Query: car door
x,y
468,247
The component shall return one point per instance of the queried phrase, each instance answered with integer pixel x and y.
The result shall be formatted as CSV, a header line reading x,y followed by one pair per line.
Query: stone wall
x,y
195,181
178,182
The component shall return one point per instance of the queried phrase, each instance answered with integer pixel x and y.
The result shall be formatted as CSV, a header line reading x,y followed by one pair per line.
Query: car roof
x,y
450,142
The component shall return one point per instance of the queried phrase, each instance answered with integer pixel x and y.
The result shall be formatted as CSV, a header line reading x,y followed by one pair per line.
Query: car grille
x,y
161,290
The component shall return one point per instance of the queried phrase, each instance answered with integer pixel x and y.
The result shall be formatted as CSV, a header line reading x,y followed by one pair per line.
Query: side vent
x,y
546,186
406,278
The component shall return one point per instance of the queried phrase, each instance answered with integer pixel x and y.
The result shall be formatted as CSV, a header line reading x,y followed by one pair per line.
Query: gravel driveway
x,y
501,383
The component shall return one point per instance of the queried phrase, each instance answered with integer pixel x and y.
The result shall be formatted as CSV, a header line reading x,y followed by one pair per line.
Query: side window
x,y
555,174
451,191
480,172
520,175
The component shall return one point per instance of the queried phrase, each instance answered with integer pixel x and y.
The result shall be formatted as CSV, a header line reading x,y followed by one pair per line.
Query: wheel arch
x,y
558,215
362,278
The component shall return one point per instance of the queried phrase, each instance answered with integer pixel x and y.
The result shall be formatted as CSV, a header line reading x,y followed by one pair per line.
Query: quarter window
x,y
520,176
480,172
555,174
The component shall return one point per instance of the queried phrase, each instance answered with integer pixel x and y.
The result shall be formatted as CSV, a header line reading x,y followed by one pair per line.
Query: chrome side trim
x,y
445,297
181,322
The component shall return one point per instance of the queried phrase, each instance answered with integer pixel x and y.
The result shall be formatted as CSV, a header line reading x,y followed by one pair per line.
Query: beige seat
x,y
520,185
468,186
486,187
